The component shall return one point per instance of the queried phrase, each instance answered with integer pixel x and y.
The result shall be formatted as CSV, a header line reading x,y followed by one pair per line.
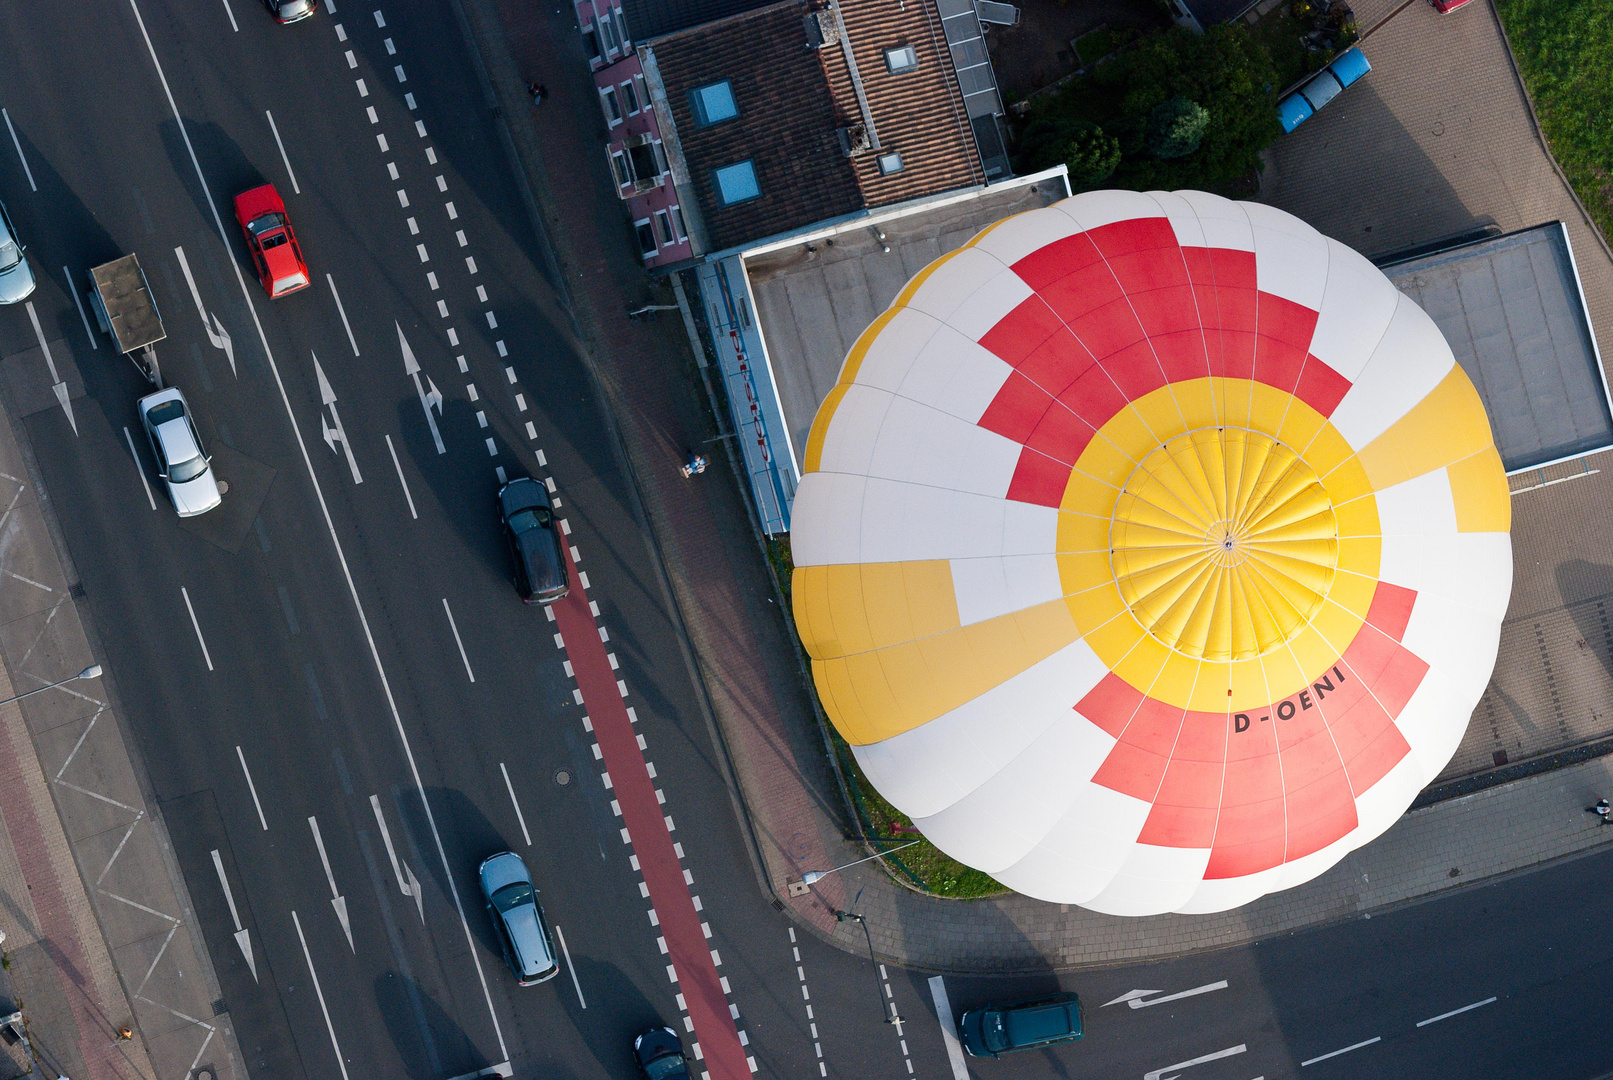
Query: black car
x,y
659,1053
1024,1025
536,548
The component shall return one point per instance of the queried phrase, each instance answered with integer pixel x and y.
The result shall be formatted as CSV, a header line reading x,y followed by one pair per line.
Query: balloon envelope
x,y
1152,552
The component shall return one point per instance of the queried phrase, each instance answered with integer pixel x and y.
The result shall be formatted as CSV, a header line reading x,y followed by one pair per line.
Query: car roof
x,y
178,442
1038,1023
531,943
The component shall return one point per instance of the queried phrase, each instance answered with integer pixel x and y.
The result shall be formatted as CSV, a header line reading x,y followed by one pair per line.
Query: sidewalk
x,y
99,933
748,669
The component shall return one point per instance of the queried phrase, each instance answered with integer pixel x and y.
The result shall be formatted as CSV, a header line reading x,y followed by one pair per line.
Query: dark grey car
x,y
512,901
536,547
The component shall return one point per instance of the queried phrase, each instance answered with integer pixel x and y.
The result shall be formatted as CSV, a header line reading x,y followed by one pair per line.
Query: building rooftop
x,y
815,296
1512,310
652,18
772,134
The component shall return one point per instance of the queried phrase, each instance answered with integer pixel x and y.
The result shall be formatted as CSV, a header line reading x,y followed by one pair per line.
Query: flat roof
x,y
816,295
1512,310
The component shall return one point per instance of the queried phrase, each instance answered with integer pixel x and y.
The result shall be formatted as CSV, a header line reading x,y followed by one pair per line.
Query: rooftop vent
x,y
854,140
822,28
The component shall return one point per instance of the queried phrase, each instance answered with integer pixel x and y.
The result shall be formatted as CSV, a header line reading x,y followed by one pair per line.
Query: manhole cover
x,y
562,778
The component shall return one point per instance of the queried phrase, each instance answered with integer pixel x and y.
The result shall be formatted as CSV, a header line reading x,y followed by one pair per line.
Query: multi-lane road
x,y
334,687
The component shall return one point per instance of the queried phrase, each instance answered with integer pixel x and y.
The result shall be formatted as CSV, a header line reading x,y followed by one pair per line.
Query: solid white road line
x,y
334,1045
340,310
231,14
1455,1012
401,480
139,467
196,626
457,641
330,528
518,815
949,1028
253,788
561,934
287,162
68,274
18,144
1346,1050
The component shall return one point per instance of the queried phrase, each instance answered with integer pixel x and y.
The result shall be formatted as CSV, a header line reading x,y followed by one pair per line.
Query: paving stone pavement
x,y
1370,166
99,929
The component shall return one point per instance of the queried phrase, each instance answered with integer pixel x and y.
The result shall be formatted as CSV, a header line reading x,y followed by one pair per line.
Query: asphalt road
x,y
343,630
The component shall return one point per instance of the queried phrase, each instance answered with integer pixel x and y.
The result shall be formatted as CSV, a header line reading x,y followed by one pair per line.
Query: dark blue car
x,y
995,1030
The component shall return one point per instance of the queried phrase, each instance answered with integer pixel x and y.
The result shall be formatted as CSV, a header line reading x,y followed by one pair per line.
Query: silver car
x,y
181,462
523,932
16,278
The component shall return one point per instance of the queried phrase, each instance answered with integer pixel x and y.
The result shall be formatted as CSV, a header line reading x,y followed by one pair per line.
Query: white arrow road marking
x,y
57,384
1134,998
241,937
411,367
337,901
327,397
409,886
1231,1051
215,329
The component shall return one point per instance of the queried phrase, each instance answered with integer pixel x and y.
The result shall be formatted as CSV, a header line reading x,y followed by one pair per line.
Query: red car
x,y
275,253
1445,7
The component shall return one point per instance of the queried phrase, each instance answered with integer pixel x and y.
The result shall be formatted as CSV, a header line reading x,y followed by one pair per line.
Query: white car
x,y
181,462
16,278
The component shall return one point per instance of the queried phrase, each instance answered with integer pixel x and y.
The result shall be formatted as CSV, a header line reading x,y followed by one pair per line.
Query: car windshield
x,y
995,1037
10,253
513,896
161,414
666,1068
188,470
266,223
286,284
535,517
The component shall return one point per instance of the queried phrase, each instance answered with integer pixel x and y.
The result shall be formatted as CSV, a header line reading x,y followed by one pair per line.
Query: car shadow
x,y
434,1046
463,828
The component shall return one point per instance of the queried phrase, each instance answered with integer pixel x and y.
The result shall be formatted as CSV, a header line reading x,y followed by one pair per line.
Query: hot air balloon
x,y
1151,552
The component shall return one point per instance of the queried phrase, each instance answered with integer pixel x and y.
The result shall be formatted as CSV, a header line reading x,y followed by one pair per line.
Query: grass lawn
x,y
923,864
1565,53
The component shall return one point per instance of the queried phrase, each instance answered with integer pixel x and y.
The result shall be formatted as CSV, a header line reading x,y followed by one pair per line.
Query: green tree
x,y
1176,127
1225,73
1092,157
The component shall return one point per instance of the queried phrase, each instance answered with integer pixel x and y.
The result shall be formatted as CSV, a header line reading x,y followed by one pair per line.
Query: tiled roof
x,y
653,18
794,102
786,124
918,113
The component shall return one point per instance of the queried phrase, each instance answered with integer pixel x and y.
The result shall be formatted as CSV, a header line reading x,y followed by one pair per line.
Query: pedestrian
x,y
696,463
538,92
1601,809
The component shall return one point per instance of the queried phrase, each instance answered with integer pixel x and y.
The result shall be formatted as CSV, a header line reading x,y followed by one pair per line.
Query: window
x,y
590,43
900,59
713,103
890,163
607,34
735,183
613,111
663,226
629,97
646,238
677,223
618,161
641,157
